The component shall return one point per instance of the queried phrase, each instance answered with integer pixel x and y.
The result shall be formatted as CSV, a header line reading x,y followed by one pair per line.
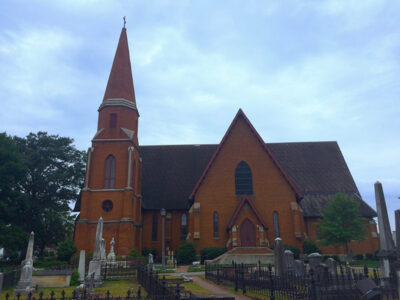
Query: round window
x,y
107,205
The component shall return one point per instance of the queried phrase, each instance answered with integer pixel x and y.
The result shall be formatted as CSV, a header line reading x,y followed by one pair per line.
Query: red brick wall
x,y
217,192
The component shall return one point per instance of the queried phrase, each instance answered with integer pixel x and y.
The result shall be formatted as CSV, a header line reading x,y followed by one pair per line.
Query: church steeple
x,y
120,82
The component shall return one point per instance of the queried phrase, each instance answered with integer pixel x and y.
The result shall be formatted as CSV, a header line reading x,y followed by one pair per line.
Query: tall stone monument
x,y
278,257
25,283
81,266
387,252
95,263
397,222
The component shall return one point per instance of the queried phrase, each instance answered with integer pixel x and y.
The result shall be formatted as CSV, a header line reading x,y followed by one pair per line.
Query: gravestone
x,y
95,264
332,268
322,273
288,261
81,266
314,259
278,257
111,255
150,263
103,256
387,251
25,283
299,268
397,223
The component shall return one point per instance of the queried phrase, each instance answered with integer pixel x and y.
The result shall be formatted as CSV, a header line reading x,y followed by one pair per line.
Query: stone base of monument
x,y
24,288
245,255
95,267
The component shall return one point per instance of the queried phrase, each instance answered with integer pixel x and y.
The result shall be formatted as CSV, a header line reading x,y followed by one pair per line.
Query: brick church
x,y
242,192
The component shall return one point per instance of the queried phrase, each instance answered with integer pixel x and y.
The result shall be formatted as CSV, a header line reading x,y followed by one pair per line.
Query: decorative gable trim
x,y
240,113
129,133
238,209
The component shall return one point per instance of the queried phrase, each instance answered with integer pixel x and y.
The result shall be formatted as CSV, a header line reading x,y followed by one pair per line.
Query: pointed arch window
x,y
109,178
243,179
216,225
183,227
276,224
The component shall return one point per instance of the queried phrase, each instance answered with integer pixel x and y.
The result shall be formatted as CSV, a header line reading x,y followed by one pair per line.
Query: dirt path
x,y
182,269
216,289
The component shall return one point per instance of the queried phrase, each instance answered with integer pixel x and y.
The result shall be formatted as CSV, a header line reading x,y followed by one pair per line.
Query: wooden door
x,y
247,234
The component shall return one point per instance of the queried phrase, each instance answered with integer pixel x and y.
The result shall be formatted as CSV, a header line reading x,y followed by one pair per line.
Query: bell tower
x,y
112,187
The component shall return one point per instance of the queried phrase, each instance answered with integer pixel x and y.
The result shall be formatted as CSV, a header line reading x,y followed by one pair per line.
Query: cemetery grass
x,y
196,269
362,263
116,288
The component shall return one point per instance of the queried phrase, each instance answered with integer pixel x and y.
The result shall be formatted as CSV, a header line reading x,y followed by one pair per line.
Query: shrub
x,y
74,278
371,256
146,252
48,262
358,257
65,250
310,246
294,249
134,253
211,252
186,253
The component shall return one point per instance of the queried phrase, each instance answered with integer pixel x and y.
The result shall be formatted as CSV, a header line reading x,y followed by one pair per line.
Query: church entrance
x,y
247,234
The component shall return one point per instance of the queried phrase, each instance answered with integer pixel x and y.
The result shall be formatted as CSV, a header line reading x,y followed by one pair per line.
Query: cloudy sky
x,y
300,70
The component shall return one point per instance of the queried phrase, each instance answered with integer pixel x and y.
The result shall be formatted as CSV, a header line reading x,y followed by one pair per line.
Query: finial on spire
x,y
124,21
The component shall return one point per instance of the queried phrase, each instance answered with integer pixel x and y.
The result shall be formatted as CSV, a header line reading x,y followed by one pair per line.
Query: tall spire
x,y
120,82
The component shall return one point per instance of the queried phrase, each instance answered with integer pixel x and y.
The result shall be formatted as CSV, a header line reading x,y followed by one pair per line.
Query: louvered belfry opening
x,y
243,179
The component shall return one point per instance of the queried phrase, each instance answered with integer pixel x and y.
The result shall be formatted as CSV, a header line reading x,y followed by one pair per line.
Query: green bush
x,y
48,262
310,246
74,278
146,252
211,252
358,257
294,249
186,253
66,249
134,253
371,256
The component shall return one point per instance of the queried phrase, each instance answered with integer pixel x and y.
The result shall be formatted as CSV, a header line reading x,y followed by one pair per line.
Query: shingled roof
x,y
318,169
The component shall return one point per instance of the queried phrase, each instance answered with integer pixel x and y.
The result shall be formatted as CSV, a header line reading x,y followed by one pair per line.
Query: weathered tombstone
x,y
1,281
81,266
322,273
387,251
397,221
332,268
278,257
314,259
299,268
95,263
288,261
150,263
111,255
25,283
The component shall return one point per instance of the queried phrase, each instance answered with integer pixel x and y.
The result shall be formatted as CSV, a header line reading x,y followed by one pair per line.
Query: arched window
x,y
154,228
243,179
109,178
183,227
216,227
276,224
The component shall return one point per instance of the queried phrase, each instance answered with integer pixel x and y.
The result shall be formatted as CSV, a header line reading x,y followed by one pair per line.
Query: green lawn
x,y
195,269
362,263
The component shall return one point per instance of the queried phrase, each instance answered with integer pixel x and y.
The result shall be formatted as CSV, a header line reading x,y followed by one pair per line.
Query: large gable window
x,y
243,179
216,225
276,224
183,227
109,178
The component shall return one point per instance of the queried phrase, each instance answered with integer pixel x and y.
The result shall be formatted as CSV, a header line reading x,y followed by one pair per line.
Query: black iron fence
x,y
157,287
122,268
262,282
130,295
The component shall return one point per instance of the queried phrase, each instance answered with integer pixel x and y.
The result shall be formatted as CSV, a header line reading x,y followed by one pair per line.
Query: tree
x,y
66,249
341,222
186,253
54,174
12,199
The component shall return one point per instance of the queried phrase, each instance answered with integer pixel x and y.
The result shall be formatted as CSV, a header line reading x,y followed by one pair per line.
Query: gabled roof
x,y
237,211
170,173
120,82
240,114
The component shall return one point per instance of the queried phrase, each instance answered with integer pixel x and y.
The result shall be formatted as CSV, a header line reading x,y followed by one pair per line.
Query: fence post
x,y
243,281
271,279
178,292
218,275
313,287
105,272
236,277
